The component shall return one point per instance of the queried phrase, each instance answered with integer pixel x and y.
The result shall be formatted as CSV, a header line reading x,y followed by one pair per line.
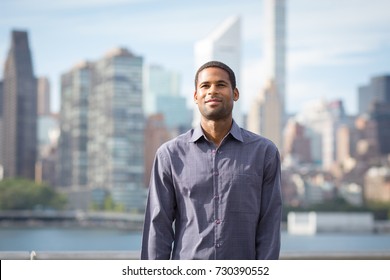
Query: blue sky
x,y
333,46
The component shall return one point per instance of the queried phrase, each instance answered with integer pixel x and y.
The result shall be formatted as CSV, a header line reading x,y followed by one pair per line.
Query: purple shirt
x,y
214,203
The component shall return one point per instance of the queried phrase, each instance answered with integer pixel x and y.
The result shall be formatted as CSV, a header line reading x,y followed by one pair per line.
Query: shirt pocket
x,y
244,193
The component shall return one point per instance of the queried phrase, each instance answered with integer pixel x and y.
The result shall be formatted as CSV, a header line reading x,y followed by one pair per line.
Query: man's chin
x,y
214,116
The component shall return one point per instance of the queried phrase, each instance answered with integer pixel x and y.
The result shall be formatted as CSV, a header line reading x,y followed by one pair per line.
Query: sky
x,y
333,46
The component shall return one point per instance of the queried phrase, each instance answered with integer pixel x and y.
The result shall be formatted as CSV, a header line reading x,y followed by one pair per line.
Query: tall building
x,y
19,110
322,120
377,184
265,115
275,46
374,100
43,98
73,142
345,139
366,139
380,113
116,129
296,143
1,130
364,99
156,133
48,133
162,96
222,44
102,129
261,119
377,91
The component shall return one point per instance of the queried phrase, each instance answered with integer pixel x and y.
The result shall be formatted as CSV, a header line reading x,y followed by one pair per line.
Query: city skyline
x,y
332,47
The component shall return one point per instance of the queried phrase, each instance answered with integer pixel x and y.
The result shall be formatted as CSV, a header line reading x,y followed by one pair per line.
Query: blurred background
x,y
90,89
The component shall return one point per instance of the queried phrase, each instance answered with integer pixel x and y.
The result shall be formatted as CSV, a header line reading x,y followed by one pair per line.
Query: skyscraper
x,y
275,46
116,128
43,98
72,151
1,130
19,110
261,119
296,143
321,120
265,114
374,99
377,91
156,133
162,96
223,44
102,129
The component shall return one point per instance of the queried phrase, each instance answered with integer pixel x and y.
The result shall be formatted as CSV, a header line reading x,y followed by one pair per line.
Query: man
x,y
215,190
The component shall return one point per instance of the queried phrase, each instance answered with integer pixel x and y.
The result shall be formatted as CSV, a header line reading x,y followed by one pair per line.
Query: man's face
x,y
214,94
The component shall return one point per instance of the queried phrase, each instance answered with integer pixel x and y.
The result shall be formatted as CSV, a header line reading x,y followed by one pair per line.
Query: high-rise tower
x,y
162,96
43,96
275,46
102,130
73,142
261,119
19,110
223,44
374,99
116,129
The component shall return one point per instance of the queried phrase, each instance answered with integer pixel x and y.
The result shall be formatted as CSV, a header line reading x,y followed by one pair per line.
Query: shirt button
x,y
216,197
218,245
218,221
216,173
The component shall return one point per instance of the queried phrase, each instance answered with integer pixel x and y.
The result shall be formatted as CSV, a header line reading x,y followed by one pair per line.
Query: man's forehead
x,y
213,71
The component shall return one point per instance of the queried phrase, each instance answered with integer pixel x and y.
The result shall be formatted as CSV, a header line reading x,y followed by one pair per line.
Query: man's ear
x,y
236,94
196,97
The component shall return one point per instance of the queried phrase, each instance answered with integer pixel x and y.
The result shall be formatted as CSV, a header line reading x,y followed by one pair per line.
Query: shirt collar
x,y
235,131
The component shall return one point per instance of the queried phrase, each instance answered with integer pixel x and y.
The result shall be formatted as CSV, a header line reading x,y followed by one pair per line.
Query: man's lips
x,y
213,100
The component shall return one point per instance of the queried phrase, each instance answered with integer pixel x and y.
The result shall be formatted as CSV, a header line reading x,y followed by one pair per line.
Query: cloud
x,y
48,5
315,57
320,34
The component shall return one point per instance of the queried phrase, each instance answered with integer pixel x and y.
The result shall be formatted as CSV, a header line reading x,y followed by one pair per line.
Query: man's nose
x,y
212,90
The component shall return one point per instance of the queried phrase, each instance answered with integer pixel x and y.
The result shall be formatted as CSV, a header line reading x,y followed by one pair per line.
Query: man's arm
x,y
158,233
268,228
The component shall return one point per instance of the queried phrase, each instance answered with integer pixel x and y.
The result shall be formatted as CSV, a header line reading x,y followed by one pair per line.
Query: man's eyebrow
x,y
217,82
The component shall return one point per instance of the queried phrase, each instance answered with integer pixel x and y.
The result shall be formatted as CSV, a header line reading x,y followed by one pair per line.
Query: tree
x,y
108,205
22,194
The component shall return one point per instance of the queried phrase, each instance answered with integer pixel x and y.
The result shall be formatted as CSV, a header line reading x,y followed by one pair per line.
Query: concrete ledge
x,y
14,255
134,255
335,256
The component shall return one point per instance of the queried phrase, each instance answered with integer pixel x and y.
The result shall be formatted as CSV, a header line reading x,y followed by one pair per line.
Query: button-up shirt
x,y
208,202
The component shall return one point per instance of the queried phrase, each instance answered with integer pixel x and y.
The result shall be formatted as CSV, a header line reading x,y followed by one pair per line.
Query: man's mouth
x,y
213,100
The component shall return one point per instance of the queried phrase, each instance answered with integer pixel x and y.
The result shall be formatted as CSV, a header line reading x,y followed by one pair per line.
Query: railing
x,y
134,255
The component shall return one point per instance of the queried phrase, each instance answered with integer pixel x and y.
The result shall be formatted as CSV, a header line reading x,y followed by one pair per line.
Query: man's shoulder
x,y
178,142
250,137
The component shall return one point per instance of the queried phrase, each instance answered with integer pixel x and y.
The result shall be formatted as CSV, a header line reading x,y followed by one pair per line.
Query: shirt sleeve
x,y
158,232
268,228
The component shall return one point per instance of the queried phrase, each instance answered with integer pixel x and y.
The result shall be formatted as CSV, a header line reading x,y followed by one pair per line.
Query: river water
x,y
87,239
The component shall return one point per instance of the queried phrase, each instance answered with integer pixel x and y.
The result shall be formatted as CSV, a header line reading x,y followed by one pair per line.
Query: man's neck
x,y
216,131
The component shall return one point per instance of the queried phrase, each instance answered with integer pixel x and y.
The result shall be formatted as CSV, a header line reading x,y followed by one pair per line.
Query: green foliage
x,y
380,209
108,205
22,194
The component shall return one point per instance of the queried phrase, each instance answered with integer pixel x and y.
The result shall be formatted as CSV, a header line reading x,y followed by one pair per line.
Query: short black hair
x,y
220,65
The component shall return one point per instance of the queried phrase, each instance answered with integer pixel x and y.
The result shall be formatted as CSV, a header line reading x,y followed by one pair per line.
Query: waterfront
x,y
98,239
